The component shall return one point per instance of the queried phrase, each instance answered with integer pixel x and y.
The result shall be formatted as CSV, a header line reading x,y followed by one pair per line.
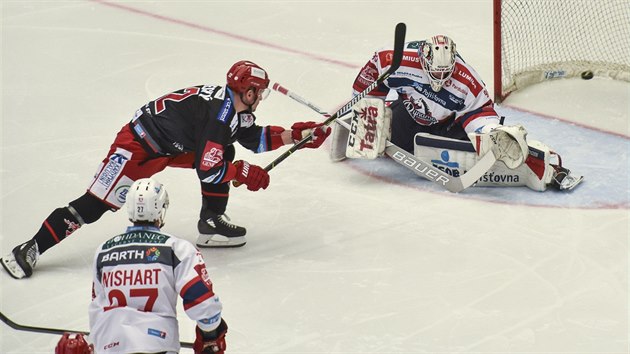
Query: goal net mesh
x,y
548,39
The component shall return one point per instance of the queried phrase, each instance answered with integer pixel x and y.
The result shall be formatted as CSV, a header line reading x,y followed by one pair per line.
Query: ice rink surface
x,y
349,257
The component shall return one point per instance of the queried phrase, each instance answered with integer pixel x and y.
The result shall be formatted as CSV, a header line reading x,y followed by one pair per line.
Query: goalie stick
x,y
399,42
59,331
410,161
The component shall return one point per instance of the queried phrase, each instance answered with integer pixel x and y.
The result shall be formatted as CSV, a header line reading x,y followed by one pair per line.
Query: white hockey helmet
x,y
147,201
437,55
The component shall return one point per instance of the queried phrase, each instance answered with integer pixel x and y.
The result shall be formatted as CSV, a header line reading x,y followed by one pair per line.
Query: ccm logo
x,y
420,168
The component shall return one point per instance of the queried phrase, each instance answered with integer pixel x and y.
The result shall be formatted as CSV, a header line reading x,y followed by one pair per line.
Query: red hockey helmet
x,y
244,75
76,345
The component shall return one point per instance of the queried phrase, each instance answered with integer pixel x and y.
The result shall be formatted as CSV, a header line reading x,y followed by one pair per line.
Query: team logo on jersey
x,y
419,110
72,227
368,74
212,156
152,254
247,120
203,274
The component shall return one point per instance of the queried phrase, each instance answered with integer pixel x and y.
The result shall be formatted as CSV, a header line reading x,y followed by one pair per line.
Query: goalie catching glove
x,y
211,342
507,142
301,130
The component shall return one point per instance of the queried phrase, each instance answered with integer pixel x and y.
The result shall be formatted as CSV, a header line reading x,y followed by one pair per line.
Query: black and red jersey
x,y
199,119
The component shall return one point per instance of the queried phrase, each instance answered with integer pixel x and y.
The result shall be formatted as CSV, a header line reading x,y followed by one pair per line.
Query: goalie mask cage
x,y
538,40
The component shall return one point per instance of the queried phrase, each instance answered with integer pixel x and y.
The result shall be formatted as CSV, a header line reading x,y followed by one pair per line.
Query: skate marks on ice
x,y
602,158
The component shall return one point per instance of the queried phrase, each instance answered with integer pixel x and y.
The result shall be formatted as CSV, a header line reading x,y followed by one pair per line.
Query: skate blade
x,y
10,265
219,241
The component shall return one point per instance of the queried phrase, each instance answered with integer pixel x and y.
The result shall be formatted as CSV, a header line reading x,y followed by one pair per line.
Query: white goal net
x,y
537,40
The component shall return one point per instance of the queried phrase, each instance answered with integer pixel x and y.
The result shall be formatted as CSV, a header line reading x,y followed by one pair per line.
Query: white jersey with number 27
x,y
138,276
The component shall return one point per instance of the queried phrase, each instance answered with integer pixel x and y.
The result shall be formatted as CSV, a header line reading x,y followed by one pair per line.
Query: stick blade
x,y
399,43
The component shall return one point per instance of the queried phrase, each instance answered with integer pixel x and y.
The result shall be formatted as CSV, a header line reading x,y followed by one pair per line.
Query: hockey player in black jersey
x,y
194,127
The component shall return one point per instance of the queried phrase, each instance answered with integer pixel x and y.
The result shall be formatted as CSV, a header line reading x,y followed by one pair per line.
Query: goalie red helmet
x,y
76,345
437,55
244,75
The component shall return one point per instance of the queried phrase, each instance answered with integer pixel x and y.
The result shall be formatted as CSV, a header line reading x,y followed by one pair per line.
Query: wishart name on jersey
x,y
130,277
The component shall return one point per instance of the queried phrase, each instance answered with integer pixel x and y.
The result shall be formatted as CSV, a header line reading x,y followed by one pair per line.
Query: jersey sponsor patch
x,y
464,76
212,156
157,333
386,57
115,164
225,111
117,194
135,237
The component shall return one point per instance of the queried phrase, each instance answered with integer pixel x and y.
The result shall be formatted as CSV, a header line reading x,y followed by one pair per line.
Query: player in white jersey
x,y
138,276
438,101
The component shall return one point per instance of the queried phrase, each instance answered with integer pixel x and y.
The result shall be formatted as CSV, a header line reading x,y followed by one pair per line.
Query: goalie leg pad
x,y
455,157
370,128
339,140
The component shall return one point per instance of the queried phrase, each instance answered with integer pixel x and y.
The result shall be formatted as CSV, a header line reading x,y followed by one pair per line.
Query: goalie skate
x,y
562,177
565,181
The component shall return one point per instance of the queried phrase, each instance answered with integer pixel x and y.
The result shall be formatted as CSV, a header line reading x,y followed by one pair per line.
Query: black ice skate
x,y
216,232
21,261
562,178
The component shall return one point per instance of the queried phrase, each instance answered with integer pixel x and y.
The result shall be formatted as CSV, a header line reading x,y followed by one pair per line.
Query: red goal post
x,y
539,40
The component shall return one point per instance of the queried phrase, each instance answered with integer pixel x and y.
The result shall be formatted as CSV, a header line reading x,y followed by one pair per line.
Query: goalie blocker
x,y
370,128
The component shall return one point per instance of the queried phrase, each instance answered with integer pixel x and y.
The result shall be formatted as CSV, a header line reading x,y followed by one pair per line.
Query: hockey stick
x,y
418,166
59,331
399,42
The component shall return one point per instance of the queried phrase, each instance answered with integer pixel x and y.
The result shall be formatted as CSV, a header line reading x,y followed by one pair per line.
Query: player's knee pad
x,y
88,208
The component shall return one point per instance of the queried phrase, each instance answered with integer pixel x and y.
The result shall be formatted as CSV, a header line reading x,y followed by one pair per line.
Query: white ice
x,y
347,257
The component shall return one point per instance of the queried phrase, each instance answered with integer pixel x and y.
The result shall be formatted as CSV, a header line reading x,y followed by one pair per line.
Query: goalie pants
x,y
405,128
126,162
